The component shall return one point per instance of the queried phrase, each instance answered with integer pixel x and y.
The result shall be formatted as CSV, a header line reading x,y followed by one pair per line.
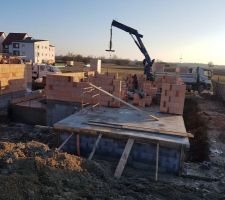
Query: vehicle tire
x,y
201,88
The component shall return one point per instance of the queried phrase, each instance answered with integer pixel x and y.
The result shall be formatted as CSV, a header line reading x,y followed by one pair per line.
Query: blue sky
x,y
193,29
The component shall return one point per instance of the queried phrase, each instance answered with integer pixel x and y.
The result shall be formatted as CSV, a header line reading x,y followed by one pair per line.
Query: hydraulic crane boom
x,y
133,32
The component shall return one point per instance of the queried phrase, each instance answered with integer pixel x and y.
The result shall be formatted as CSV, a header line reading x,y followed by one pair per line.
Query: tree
x,y
210,64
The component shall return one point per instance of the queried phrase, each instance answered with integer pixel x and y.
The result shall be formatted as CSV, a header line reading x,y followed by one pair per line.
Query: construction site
x,y
97,130
93,135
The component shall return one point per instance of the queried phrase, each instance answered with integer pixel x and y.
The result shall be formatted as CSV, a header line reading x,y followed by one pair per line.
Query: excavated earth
x,y
32,168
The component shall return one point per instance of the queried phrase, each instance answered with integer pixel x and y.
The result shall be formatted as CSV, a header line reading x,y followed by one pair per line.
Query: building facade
x,y
11,37
20,44
38,51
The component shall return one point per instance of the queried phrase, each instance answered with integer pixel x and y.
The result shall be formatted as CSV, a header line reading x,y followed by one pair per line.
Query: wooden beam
x,y
157,162
135,128
67,139
78,144
95,146
124,157
122,101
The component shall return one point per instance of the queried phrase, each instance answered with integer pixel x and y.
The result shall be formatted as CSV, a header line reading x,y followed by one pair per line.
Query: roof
x,y
30,41
11,37
1,33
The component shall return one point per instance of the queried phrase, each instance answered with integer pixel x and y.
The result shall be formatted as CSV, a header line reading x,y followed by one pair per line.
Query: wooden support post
x,y
157,162
95,146
67,139
124,157
78,144
97,104
95,95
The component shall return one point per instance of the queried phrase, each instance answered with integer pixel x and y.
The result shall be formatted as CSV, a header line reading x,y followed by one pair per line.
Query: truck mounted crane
x,y
147,62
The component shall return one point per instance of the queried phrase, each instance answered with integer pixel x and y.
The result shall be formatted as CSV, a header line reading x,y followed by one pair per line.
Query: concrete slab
x,y
128,117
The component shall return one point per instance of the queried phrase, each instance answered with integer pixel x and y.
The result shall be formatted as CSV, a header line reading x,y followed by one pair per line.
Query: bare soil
x,y
31,168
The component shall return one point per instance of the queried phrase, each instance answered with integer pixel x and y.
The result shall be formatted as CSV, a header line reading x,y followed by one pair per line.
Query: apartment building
x,y
20,44
38,51
11,37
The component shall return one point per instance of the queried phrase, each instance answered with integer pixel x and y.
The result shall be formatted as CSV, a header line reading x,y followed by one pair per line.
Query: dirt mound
x,y
33,171
196,124
17,154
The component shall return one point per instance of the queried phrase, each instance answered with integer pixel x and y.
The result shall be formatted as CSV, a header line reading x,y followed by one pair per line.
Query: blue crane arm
x,y
133,32
126,28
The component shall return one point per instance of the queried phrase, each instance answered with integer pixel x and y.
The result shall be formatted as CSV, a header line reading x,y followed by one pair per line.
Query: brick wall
x,y
74,87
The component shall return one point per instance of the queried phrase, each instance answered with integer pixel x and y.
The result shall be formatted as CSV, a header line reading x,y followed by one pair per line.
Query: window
x,y
16,53
16,45
38,46
23,45
23,53
6,46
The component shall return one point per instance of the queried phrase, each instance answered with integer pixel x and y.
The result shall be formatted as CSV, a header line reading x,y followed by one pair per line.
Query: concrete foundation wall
x,y
58,110
50,113
6,98
28,115
169,158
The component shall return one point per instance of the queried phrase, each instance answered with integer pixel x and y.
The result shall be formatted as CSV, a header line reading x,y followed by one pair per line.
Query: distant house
x,y
12,37
2,38
38,51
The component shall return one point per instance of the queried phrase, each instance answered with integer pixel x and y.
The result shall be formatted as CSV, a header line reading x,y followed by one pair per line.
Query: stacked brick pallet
x,y
129,81
14,77
172,98
167,79
135,81
124,90
141,101
73,87
149,91
141,78
147,88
